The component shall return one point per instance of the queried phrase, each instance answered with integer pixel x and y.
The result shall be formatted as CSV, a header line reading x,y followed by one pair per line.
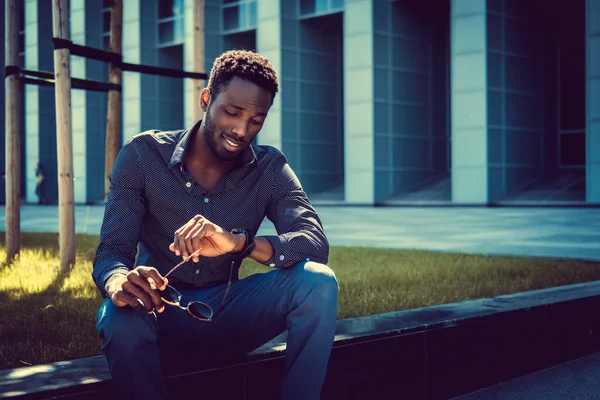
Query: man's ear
x,y
204,99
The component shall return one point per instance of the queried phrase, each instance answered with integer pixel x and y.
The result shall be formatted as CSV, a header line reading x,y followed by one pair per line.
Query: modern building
x,y
382,102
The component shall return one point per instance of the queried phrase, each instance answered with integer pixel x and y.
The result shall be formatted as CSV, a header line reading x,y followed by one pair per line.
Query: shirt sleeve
x,y
123,214
300,235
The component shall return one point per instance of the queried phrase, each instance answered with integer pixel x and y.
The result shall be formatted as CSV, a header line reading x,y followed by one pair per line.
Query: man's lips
x,y
232,141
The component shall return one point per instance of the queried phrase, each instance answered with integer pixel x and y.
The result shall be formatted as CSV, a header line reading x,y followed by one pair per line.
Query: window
x,y
571,87
21,34
239,15
572,149
309,7
170,22
106,24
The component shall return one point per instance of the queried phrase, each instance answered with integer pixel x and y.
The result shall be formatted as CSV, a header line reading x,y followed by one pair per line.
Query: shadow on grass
x,y
85,245
55,323
52,324
49,325
65,331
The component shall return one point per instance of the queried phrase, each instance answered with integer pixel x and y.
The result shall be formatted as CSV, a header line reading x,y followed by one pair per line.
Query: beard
x,y
212,140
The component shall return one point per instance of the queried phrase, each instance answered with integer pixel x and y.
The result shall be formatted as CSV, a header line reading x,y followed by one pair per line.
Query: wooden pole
x,y
198,51
62,90
113,119
13,95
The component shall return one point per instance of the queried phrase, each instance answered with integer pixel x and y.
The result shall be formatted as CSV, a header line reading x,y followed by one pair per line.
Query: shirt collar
x,y
248,157
182,143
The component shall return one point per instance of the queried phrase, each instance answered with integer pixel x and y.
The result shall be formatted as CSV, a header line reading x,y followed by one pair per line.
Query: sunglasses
x,y
197,309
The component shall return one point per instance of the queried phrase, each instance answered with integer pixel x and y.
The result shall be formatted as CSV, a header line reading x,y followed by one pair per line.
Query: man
x,y
202,193
40,183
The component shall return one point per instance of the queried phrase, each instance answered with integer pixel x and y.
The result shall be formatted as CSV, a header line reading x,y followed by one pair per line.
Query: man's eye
x,y
230,113
255,122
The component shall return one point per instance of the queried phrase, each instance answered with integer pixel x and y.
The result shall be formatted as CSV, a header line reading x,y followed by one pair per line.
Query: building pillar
x,y
31,93
190,101
131,81
469,102
212,46
359,165
593,101
78,103
268,44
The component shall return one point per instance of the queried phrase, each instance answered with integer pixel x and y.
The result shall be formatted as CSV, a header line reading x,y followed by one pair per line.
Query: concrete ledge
x,y
429,353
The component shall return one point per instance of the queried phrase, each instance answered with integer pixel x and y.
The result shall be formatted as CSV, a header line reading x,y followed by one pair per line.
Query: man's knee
x,y
125,327
318,280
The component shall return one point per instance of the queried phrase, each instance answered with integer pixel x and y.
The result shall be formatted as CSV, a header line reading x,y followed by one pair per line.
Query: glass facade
x,y
312,76
570,63
106,24
316,7
21,34
379,102
170,22
239,15
411,99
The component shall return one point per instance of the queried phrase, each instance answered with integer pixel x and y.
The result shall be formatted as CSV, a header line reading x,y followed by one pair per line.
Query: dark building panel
x,y
312,98
411,85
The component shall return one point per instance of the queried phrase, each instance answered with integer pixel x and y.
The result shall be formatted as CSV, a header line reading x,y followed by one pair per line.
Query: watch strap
x,y
248,246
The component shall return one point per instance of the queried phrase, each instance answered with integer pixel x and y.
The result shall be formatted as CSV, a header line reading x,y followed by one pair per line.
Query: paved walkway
x,y
575,380
544,232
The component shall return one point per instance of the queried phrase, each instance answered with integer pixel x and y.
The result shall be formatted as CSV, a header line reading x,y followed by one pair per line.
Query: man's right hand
x,y
125,290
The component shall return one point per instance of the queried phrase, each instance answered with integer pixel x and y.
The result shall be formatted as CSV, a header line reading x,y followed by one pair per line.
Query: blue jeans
x,y
301,299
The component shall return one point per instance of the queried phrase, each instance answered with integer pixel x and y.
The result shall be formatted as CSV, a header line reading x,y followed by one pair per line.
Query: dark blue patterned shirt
x,y
152,195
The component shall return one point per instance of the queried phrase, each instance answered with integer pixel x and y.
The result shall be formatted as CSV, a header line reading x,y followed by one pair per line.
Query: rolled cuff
x,y
281,257
106,275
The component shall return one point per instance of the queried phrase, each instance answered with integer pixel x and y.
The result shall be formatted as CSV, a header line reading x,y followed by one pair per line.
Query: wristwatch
x,y
249,246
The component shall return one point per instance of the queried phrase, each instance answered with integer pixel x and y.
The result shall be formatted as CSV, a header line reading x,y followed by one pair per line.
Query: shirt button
x,y
188,184
197,272
206,199
308,259
281,257
271,265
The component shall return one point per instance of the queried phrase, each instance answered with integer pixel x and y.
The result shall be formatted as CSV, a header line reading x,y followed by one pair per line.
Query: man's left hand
x,y
201,234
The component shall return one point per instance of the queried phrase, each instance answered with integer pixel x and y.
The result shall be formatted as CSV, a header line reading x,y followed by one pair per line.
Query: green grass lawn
x,y
45,317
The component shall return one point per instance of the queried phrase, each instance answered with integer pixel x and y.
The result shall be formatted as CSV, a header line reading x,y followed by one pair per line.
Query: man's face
x,y
234,117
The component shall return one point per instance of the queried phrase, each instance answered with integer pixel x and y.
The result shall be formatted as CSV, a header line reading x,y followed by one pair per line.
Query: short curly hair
x,y
246,65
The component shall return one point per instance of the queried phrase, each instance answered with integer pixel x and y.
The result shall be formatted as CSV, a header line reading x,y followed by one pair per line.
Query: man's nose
x,y
241,129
